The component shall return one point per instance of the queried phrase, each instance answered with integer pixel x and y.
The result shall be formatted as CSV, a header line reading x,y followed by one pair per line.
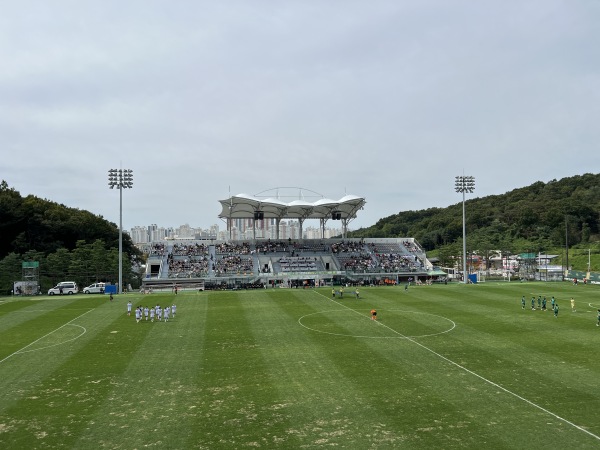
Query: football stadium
x,y
302,343
263,261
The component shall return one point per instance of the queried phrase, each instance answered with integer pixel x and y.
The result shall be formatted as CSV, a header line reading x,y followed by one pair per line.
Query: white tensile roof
x,y
244,206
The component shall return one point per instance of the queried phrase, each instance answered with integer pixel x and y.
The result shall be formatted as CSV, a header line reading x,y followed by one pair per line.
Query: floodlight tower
x,y
120,179
464,184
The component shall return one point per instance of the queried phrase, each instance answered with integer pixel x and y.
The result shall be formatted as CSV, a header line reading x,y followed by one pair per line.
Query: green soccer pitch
x,y
442,367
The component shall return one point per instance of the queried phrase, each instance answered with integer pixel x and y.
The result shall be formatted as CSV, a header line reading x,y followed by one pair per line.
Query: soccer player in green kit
x,y
598,323
523,302
555,309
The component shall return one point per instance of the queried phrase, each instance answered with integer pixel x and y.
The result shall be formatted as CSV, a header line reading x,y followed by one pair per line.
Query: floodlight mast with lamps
x,y
120,179
464,184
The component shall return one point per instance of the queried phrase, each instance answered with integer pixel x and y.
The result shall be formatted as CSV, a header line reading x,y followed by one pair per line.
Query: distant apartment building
x,y
139,235
241,229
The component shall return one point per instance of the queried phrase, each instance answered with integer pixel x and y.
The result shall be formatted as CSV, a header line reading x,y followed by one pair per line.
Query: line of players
x,y
541,303
158,312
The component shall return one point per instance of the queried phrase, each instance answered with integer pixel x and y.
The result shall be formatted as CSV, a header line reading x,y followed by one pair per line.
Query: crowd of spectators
x,y
358,263
411,247
188,268
271,247
190,250
236,249
157,249
347,246
391,262
196,260
233,264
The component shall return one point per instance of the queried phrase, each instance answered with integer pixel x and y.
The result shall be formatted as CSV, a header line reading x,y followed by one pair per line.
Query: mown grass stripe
x,y
22,319
28,346
494,384
69,393
242,370
153,402
235,383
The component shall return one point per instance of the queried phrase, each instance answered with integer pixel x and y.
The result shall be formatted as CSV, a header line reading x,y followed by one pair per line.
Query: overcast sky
x,y
387,100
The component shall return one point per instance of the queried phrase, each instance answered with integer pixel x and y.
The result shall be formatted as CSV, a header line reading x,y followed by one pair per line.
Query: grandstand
x,y
235,264
213,264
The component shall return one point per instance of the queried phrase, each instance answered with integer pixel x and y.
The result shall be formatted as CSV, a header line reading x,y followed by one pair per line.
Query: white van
x,y
96,288
64,287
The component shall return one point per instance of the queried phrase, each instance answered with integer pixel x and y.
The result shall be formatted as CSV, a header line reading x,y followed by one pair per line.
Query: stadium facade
x,y
259,262
213,264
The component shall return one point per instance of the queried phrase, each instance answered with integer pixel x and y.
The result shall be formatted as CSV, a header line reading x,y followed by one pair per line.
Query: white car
x,y
96,288
65,287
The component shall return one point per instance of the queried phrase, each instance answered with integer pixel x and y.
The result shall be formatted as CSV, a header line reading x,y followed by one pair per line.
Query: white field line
x,y
47,334
58,343
42,310
529,402
379,337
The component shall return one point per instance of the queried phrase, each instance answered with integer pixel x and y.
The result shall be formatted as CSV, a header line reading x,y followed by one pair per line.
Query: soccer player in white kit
x,y
138,314
159,312
167,312
173,309
146,312
152,311
129,308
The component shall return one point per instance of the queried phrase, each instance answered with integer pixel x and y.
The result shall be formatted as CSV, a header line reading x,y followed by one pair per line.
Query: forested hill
x,y
32,224
533,217
539,216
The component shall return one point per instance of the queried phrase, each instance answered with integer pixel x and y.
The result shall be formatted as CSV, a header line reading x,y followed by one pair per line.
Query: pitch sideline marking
x,y
448,360
47,334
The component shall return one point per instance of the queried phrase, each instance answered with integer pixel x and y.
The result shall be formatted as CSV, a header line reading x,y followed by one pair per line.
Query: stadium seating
x,y
268,260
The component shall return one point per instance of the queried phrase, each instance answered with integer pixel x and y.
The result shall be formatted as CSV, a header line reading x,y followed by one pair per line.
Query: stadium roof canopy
x,y
245,206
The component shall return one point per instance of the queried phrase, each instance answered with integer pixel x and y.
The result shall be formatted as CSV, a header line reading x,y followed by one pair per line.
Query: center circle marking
x,y
399,335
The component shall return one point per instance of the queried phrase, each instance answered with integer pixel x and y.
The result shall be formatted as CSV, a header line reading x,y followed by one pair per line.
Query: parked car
x,y
96,288
65,287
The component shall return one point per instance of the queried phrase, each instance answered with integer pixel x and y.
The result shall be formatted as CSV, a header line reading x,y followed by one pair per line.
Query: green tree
x,y
58,264
10,271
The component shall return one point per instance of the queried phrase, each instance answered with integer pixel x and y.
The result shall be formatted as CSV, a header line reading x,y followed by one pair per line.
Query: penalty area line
x,y
482,378
21,350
